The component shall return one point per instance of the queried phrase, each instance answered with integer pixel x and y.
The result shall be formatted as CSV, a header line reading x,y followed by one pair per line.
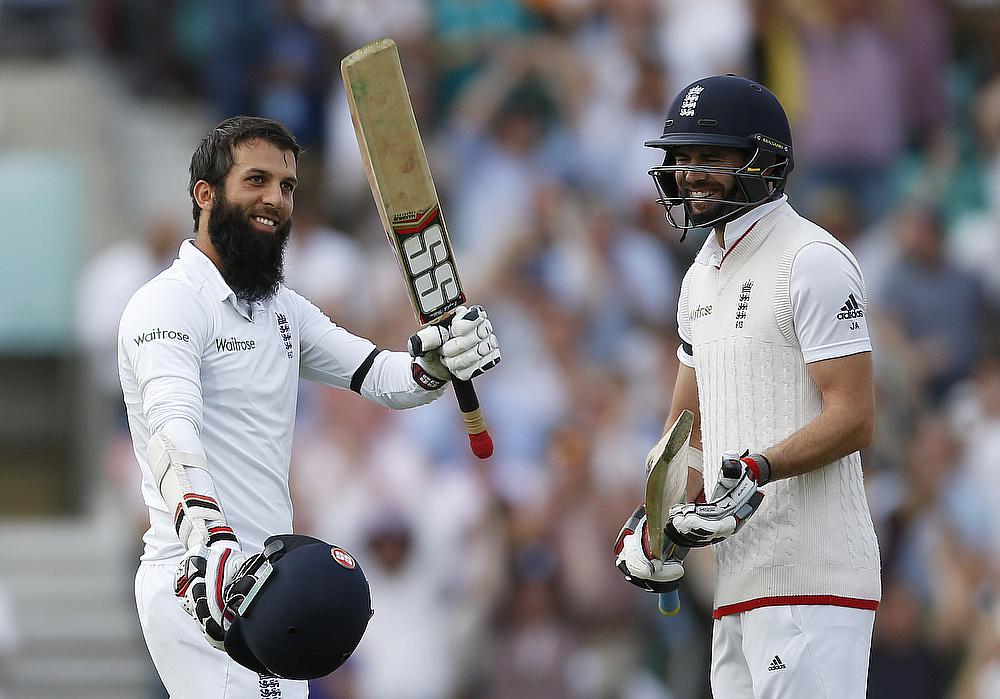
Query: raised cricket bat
x,y
666,483
407,201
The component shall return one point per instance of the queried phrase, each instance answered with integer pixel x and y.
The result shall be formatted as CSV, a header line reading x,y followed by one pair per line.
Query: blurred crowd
x,y
495,579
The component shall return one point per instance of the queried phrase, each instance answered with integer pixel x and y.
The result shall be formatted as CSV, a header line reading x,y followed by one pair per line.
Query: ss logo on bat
x,y
432,269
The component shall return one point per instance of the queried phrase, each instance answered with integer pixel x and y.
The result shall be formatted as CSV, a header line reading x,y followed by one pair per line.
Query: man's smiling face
x,y
710,186
262,182
251,218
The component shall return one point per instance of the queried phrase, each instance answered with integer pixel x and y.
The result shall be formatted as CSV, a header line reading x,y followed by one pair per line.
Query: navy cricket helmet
x,y
299,608
731,112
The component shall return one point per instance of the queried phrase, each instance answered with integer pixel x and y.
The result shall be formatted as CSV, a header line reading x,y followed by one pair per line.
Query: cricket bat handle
x,y
480,440
670,603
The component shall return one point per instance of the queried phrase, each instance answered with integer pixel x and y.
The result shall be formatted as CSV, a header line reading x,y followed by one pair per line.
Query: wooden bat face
x,y
666,477
400,178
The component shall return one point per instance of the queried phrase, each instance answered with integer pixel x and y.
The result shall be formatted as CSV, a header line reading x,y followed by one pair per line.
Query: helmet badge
x,y
691,101
343,557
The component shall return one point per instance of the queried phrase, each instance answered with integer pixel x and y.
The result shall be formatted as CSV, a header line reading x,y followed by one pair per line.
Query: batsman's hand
x,y
465,349
638,563
737,497
473,348
200,584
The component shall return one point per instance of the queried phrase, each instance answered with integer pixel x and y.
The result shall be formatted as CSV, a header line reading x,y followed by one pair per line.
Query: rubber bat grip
x,y
475,424
670,603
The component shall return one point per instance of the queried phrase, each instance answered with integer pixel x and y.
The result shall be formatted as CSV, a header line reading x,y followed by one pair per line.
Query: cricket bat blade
x,y
407,201
666,483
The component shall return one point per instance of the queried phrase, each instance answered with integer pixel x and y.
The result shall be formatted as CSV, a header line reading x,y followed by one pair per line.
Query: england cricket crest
x,y
285,330
743,304
425,256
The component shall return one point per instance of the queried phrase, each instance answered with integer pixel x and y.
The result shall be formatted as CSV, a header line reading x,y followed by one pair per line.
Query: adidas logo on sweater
x,y
776,664
851,309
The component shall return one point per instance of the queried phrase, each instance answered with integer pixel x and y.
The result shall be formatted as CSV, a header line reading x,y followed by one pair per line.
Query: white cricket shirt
x,y
827,293
189,349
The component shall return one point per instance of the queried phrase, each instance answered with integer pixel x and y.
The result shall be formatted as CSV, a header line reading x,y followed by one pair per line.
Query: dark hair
x,y
214,156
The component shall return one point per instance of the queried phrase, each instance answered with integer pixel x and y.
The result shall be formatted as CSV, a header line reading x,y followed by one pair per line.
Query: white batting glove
x,y
473,348
737,498
202,578
638,563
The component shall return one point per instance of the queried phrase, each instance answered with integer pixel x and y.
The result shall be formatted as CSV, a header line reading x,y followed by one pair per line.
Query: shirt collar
x,y
712,254
198,264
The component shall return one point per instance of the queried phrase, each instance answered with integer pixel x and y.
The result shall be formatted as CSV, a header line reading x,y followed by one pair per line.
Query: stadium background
x,y
494,579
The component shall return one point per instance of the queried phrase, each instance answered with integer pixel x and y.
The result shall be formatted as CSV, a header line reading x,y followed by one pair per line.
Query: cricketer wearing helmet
x,y
775,363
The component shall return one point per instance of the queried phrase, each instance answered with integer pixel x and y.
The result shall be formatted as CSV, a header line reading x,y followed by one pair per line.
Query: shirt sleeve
x,y
329,354
162,334
334,356
685,352
829,303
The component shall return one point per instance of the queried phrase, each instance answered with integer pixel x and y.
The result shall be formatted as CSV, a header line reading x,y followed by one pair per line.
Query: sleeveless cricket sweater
x,y
812,541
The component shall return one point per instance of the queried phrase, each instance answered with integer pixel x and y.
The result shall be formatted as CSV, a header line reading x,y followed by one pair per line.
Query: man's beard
x,y
252,261
733,193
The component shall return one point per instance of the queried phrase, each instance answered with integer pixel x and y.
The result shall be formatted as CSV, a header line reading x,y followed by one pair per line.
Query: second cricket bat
x,y
400,179
666,481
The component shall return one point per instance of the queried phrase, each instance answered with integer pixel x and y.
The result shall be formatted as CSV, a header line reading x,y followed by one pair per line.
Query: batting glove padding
x,y
202,578
638,563
464,349
197,507
737,498
428,371
473,348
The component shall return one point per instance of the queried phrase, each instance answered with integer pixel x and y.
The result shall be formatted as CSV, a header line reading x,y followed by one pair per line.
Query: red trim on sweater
x,y
830,600
737,242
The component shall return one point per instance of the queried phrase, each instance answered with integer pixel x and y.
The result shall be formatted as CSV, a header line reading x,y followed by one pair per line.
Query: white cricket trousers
x,y
792,652
188,665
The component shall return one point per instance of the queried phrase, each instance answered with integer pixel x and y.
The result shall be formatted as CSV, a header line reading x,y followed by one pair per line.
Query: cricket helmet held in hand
x,y
730,112
299,608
